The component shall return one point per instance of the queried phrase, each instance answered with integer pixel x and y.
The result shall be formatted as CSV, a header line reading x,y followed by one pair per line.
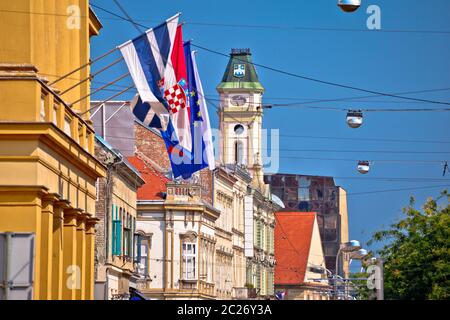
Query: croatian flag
x,y
183,162
156,65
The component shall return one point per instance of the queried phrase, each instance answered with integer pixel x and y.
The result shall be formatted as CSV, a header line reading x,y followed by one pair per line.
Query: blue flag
x,y
183,162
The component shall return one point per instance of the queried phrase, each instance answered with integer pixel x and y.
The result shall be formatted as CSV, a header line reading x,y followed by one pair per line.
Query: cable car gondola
x,y
363,167
349,5
354,118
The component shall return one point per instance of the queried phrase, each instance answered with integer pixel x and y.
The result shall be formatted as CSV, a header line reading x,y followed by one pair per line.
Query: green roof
x,y
240,72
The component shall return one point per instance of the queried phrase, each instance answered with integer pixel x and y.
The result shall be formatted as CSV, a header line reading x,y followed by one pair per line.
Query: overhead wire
x,y
259,65
324,150
322,81
104,86
286,72
251,26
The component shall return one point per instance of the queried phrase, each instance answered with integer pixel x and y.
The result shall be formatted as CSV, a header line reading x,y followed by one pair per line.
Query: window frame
x,y
189,270
116,231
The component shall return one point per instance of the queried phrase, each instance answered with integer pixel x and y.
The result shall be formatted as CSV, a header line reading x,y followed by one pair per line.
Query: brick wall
x,y
100,213
151,146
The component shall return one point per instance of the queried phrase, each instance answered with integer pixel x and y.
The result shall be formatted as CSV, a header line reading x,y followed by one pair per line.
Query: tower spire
x,y
240,72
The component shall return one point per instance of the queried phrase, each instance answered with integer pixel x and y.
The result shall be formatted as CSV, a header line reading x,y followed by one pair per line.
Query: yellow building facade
x,y
47,166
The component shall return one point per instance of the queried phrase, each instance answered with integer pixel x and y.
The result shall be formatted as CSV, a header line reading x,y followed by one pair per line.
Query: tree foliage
x,y
416,252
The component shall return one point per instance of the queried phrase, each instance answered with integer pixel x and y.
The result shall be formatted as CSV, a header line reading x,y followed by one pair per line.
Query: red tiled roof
x,y
155,182
293,233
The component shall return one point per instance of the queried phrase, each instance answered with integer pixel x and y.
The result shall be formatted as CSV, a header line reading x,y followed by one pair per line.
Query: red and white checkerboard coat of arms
x,y
176,98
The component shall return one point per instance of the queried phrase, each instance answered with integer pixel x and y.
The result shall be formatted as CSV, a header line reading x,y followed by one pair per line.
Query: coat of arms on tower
x,y
239,70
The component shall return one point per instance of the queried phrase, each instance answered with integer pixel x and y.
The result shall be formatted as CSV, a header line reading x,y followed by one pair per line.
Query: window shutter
x,y
113,238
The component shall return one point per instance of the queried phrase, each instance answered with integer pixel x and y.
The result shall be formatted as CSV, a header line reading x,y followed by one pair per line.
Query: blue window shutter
x,y
115,238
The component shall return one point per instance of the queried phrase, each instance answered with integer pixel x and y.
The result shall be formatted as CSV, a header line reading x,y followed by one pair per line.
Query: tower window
x,y
239,129
238,152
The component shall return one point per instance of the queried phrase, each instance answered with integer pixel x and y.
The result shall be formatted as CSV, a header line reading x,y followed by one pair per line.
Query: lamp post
x,y
349,5
360,254
347,247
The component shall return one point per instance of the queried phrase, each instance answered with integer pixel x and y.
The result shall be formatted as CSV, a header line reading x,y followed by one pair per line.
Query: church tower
x,y
240,116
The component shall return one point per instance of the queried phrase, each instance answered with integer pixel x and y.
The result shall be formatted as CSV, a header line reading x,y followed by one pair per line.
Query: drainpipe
x,y
108,213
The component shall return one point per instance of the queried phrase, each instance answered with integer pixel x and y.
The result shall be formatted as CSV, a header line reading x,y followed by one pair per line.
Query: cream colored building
x,y
182,254
178,242
230,188
240,146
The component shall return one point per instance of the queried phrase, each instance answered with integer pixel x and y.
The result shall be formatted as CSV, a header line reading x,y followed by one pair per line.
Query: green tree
x,y
416,252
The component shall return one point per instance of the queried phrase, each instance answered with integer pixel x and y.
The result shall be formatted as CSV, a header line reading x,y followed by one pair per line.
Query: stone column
x,y
71,270
47,204
90,244
57,248
81,254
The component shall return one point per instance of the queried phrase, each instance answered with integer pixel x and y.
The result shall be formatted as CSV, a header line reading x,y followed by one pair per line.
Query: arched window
x,y
239,152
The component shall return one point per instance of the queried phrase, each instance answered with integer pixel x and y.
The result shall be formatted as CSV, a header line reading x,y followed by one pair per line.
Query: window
x,y
270,239
127,235
249,274
303,190
239,129
189,255
259,234
117,231
143,255
209,265
258,277
239,152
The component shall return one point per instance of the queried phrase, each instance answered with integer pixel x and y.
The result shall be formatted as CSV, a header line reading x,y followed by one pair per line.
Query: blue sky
x,y
382,61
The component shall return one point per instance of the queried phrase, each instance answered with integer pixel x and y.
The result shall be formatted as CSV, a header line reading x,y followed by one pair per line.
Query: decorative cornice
x,y
55,138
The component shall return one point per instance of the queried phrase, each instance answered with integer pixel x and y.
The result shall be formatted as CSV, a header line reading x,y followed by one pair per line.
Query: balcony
x,y
244,293
183,192
28,99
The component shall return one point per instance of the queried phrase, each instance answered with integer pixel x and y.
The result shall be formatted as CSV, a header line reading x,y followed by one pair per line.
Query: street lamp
x,y
347,247
358,255
349,5
354,118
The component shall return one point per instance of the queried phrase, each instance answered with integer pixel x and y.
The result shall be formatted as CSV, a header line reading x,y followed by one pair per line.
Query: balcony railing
x,y
46,107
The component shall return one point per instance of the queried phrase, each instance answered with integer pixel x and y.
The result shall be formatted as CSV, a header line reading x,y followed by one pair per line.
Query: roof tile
x,y
293,234
155,182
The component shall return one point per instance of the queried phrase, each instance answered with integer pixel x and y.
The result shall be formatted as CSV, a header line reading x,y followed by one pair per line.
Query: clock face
x,y
238,100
